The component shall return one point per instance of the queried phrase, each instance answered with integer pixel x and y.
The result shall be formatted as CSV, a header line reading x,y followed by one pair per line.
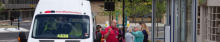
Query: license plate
x,y
62,35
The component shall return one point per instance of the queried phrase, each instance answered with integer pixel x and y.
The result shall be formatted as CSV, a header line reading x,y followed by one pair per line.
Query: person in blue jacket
x,y
139,37
145,31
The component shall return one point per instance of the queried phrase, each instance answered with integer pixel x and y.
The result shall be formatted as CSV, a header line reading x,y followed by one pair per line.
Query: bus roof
x,y
62,7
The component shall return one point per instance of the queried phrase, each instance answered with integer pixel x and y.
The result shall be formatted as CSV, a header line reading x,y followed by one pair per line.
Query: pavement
x,y
11,34
24,22
16,21
6,30
13,40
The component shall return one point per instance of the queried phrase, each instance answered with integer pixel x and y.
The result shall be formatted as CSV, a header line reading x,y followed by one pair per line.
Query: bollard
x,y
167,34
18,25
19,19
106,24
12,19
11,23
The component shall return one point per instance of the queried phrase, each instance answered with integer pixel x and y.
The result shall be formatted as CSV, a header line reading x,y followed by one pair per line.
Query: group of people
x,y
113,34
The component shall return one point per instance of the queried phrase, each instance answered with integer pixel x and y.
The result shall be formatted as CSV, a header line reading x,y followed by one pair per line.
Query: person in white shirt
x,y
128,36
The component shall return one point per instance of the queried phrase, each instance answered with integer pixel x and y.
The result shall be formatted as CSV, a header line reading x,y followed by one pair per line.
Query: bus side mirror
x,y
22,37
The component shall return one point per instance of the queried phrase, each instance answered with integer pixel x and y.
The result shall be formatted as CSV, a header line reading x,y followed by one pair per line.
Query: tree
x,y
160,11
202,1
132,8
1,7
137,7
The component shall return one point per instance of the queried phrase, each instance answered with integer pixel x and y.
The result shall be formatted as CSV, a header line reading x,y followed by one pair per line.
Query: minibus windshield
x,y
54,26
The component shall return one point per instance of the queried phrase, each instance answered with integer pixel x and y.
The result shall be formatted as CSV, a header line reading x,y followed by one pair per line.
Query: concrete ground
x,y
11,34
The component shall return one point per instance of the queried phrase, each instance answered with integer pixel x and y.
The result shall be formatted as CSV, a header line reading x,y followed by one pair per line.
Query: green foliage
x,y
160,8
137,7
149,41
1,7
202,1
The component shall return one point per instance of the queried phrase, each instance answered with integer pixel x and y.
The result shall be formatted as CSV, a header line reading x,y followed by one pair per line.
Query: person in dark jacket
x,y
145,31
120,35
99,29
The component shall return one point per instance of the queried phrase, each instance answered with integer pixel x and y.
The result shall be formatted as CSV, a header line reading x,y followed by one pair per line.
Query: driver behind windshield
x,y
72,28
50,26
63,27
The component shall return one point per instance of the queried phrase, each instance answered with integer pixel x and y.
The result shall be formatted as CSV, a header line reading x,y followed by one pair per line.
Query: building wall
x,y
95,8
213,3
19,4
100,19
209,30
201,24
163,20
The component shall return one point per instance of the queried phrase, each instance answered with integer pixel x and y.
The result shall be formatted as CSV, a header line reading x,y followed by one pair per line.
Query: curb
x,y
8,40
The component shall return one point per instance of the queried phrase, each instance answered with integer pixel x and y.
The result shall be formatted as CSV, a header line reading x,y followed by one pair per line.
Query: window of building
x,y
214,29
20,1
2,1
9,1
36,1
23,1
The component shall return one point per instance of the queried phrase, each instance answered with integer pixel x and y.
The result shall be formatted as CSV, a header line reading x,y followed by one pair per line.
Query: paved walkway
x,y
13,40
7,30
15,21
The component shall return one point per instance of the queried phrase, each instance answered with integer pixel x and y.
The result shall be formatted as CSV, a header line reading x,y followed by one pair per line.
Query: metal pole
x,y
179,20
11,20
154,18
123,23
112,15
11,23
18,22
194,20
32,4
